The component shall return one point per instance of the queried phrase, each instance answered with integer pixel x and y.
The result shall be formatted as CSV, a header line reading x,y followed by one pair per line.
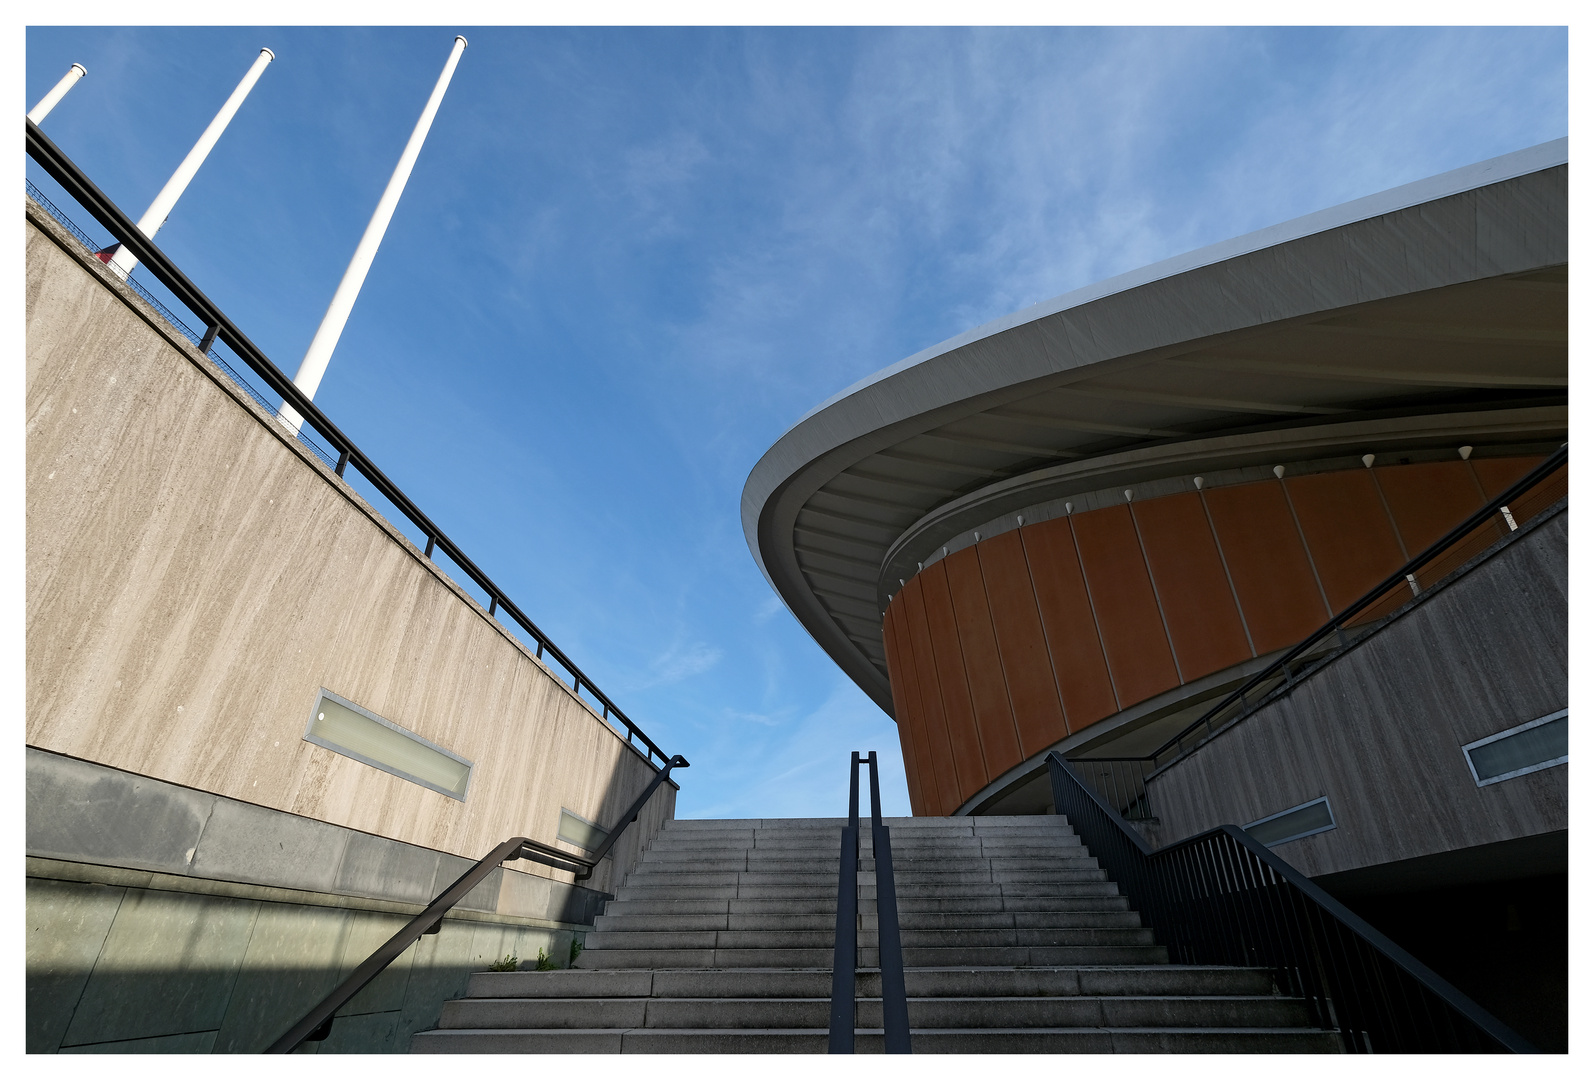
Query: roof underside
x,y
1281,347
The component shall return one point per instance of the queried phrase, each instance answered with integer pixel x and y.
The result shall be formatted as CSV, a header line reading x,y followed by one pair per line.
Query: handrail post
x,y
844,970
893,984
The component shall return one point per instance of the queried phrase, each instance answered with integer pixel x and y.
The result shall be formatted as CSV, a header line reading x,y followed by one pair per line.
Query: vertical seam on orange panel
x,y
1095,622
930,748
1311,562
1068,725
1229,577
910,756
968,688
1007,689
963,666
1394,526
1156,594
1483,496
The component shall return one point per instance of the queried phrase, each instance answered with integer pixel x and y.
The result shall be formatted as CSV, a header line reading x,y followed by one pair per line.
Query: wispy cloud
x,y
682,661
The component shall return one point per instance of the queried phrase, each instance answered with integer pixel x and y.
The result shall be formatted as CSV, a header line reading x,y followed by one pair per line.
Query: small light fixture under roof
x,y
1198,483
1021,520
1278,471
1129,495
1368,459
1465,452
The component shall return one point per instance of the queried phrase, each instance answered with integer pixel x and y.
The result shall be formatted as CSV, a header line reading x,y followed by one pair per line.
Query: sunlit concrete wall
x,y
195,576
1004,648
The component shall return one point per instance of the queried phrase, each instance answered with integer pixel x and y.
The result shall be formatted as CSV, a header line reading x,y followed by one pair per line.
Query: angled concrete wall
x,y
1379,730
199,874
195,576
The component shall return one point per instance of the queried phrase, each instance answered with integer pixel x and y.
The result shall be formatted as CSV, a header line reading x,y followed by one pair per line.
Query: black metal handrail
x,y
844,973
1222,898
1281,673
220,328
316,1024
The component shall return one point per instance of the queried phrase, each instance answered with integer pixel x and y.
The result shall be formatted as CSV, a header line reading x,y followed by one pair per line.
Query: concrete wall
x,y
194,576
164,919
1379,730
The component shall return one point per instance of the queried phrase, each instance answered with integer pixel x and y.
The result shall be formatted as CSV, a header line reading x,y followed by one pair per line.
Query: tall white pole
x,y
49,101
319,354
122,261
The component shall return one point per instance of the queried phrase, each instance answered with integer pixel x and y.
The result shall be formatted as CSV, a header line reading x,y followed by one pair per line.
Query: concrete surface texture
x,y
1379,729
130,963
195,576
1013,940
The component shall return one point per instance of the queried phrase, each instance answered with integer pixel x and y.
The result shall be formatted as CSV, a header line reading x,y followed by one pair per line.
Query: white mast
x,y
319,354
49,101
122,261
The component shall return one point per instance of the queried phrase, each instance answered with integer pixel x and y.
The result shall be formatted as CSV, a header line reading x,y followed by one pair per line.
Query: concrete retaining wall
x,y
195,576
199,875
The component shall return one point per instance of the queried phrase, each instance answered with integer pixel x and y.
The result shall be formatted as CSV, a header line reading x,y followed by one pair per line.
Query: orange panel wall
x,y
1348,531
1031,685
1497,474
1272,574
937,741
1197,604
982,662
1004,648
1126,607
1071,637
907,709
1428,501
967,757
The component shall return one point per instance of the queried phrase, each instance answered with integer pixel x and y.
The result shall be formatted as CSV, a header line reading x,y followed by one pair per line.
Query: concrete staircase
x,y
720,941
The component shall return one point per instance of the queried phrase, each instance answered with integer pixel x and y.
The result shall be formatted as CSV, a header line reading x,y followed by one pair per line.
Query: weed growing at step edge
x,y
511,962
544,963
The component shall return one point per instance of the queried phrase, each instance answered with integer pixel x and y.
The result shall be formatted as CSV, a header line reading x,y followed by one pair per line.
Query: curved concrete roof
x,y
1367,323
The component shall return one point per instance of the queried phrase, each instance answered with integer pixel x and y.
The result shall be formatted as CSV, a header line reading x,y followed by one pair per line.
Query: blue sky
x,y
628,260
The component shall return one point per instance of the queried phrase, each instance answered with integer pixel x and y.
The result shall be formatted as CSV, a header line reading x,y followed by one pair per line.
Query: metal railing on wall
x,y
330,445
1223,898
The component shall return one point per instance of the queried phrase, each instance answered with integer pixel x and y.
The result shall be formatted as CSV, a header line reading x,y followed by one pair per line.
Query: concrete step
x,y
1164,980
1001,920
991,903
608,959
1013,895
652,877
816,1041
1205,1011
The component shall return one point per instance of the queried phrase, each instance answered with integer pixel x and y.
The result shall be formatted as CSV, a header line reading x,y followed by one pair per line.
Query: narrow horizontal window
x,y
1526,748
1308,819
580,831
345,728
